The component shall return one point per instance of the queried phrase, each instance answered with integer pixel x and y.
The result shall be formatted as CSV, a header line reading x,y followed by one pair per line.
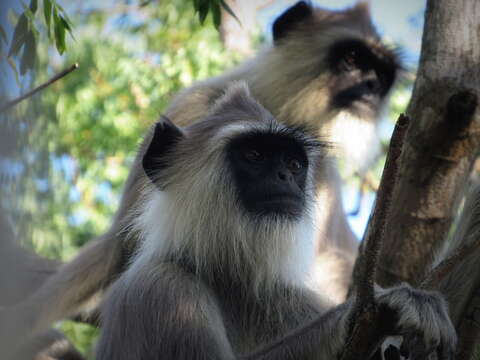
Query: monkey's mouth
x,y
359,103
280,204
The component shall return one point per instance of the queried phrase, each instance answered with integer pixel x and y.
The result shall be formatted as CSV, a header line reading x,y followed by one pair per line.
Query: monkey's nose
x,y
282,175
285,175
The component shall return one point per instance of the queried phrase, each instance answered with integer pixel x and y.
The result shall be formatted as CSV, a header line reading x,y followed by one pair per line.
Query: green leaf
x,y
144,3
13,65
64,13
28,57
65,23
229,10
29,14
196,5
203,10
33,6
67,26
47,12
59,31
19,34
217,15
3,35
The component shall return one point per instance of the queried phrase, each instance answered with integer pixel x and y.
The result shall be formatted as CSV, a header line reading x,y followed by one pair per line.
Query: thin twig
x,y
365,315
60,75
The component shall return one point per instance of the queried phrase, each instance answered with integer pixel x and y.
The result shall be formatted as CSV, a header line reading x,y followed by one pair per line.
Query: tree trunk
x,y
439,152
442,142
438,155
440,149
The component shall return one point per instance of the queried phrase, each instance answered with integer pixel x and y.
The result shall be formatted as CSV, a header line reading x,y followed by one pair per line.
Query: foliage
x,y
202,7
26,33
56,24
76,140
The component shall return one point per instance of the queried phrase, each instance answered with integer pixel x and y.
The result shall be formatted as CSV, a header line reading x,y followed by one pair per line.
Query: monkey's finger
x,y
447,347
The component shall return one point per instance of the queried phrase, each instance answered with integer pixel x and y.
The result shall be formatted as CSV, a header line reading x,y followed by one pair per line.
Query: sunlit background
x,y
65,153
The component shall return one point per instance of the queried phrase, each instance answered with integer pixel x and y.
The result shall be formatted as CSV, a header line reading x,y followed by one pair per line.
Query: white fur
x,y
167,230
228,132
357,139
198,216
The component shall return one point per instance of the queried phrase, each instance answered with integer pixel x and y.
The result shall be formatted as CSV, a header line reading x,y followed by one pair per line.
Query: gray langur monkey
x,y
225,230
327,71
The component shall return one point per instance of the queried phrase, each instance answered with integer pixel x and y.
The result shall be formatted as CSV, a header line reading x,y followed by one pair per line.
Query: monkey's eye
x,y
253,155
350,59
294,165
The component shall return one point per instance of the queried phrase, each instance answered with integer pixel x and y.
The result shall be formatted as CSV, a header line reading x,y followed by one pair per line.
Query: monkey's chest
x,y
251,323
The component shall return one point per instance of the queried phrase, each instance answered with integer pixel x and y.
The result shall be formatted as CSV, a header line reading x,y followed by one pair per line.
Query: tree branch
x,y
363,329
60,75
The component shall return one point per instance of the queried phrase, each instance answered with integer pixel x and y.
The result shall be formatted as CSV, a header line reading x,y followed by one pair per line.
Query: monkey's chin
x,y
363,109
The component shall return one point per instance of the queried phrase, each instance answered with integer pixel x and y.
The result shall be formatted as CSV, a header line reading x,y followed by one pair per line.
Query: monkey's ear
x,y
299,12
165,135
362,9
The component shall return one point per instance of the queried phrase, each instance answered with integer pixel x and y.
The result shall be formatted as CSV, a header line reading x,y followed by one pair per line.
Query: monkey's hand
x,y
421,318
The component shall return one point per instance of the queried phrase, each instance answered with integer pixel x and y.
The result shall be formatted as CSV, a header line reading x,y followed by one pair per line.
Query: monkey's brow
x,y
301,134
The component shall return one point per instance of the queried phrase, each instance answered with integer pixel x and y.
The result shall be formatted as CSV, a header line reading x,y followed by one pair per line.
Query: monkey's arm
x,y
421,317
461,280
63,292
162,312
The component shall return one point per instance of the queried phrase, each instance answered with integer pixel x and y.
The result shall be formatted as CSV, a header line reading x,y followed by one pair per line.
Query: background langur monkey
x,y
324,69
225,235
50,344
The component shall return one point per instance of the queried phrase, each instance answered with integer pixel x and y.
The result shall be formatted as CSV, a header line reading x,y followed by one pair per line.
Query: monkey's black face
x,y
363,76
270,173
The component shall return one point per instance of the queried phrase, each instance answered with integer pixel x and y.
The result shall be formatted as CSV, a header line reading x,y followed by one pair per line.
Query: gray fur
x,y
209,282
291,81
50,345
21,273
459,283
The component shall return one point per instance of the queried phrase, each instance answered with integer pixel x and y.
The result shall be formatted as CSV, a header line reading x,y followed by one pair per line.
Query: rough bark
x,y
442,142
